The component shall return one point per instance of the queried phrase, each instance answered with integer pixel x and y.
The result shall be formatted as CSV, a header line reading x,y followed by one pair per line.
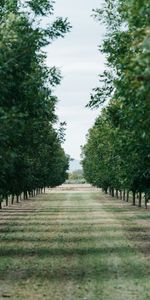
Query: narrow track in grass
x,y
74,244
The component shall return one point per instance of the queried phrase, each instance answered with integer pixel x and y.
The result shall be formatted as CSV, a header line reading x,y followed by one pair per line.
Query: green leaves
x,y
103,93
123,127
41,7
30,149
57,29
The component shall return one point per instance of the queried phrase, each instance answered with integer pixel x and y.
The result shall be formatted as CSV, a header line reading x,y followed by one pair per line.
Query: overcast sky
x,y
80,62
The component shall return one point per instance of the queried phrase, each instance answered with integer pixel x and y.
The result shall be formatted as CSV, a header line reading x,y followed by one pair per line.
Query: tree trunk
x,y
6,200
120,195
0,205
24,196
117,194
145,200
133,201
109,191
12,199
127,199
17,199
112,192
124,195
140,199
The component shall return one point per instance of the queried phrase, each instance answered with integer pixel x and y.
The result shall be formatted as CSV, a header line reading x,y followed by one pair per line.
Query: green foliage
x,y
76,177
41,7
125,123
31,155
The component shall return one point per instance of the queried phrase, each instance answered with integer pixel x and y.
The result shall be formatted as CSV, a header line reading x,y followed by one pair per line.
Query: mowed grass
x,y
74,245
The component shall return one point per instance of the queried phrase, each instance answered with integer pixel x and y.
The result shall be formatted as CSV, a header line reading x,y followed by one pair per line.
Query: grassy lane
x,y
74,245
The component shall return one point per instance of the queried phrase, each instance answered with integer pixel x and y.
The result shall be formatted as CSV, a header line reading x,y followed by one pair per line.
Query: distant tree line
x,y
116,156
31,155
76,176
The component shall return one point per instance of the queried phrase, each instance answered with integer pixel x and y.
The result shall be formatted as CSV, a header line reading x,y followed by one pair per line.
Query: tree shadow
x,y
103,269
63,229
59,239
47,251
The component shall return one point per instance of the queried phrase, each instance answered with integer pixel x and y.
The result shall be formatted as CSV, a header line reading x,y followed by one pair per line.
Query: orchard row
x,y
31,155
117,153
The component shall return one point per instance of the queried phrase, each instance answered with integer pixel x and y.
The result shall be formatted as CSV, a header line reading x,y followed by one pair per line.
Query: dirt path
x,y
74,244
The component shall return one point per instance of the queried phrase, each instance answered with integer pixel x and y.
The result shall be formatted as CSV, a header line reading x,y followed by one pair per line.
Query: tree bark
x,y
124,195
112,192
140,199
117,194
145,200
146,204
17,199
109,191
120,195
127,199
133,201
25,195
12,199
6,200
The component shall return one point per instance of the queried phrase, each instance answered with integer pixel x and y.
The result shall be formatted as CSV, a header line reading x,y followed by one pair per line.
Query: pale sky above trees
x,y
80,62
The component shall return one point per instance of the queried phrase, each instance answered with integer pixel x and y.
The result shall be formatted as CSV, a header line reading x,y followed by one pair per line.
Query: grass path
x,y
74,245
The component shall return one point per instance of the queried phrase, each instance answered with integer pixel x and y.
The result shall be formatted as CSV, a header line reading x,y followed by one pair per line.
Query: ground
x,y
74,243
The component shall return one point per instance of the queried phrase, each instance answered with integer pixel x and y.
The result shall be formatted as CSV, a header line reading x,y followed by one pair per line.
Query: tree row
x,y
117,153
31,155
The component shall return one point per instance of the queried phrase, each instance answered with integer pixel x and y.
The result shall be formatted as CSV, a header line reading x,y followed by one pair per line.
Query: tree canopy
x,y
31,155
117,153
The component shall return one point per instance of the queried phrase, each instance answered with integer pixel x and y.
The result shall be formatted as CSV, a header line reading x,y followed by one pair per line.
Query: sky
x,y
80,62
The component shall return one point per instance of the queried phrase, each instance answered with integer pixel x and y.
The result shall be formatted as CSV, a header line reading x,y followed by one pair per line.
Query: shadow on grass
x,y
59,223
141,238
60,238
143,217
42,252
63,229
49,210
102,270
41,218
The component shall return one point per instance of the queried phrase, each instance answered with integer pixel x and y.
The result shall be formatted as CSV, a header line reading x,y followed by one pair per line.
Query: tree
x,y
27,103
124,86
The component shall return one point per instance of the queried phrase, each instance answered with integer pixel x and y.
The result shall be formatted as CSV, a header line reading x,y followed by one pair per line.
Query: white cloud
x,y
82,67
80,62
